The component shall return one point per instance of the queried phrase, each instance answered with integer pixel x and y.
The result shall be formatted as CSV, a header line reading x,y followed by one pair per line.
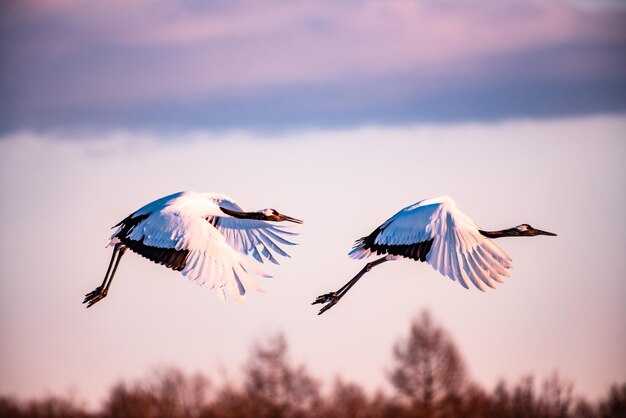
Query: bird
x,y
436,232
205,236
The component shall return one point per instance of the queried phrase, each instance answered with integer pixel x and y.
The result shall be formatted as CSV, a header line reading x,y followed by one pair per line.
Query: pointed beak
x,y
540,232
289,219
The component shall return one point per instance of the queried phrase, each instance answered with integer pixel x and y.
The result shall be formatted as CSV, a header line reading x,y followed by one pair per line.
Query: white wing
x,y
249,236
189,243
435,231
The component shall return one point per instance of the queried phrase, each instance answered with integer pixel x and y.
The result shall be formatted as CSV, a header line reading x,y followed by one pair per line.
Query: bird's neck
x,y
244,215
510,232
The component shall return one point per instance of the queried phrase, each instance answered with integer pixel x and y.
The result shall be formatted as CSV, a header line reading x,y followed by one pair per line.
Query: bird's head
x,y
528,231
273,215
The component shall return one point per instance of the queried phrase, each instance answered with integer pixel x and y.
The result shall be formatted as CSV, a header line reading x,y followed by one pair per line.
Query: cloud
x,y
66,58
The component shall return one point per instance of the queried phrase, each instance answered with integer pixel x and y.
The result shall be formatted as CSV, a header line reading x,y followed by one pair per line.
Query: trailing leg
x,y
101,291
330,299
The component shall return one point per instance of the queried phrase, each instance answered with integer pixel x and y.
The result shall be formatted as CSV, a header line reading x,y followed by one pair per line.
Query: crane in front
x,y
205,236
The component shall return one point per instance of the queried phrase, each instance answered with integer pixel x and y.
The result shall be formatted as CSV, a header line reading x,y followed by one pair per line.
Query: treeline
x,y
428,377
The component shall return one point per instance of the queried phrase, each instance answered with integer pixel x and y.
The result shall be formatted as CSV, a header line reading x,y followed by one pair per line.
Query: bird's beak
x,y
290,219
540,232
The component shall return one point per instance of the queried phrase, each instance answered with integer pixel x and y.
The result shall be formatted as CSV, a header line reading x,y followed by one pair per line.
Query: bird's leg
x,y
330,299
101,291
121,252
98,289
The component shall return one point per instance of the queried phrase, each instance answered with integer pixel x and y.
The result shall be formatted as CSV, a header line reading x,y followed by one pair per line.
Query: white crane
x,y
435,231
205,236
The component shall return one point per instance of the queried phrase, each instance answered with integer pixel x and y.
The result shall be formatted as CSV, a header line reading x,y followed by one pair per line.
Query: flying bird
x,y
205,236
435,231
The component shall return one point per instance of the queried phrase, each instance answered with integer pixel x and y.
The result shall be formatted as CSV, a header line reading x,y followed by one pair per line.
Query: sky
x,y
338,113
171,65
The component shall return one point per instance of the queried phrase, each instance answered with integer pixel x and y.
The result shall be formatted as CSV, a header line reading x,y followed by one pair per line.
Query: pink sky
x,y
563,308
340,113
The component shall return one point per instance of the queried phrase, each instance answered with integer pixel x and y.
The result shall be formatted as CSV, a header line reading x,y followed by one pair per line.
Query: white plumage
x,y
458,249
436,232
205,236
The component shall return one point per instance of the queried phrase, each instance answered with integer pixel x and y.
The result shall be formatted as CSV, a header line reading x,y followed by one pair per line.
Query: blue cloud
x,y
303,66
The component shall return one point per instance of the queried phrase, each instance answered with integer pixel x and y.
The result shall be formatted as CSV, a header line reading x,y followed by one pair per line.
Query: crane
x,y
436,232
205,236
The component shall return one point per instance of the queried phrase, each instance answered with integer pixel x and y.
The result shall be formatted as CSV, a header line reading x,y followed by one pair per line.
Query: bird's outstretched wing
x,y
249,236
193,246
436,232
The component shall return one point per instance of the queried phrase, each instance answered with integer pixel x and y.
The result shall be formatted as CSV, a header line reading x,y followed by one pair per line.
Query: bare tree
x,y
428,374
347,400
275,388
9,408
126,401
615,403
429,371
177,394
47,407
556,399
524,399
167,392
476,402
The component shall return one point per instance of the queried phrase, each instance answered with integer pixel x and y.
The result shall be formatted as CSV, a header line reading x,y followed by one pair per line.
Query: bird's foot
x,y
95,296
325,298
330,299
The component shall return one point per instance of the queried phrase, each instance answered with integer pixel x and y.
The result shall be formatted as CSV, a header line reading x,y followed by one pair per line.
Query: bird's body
x,y
435,231
205,236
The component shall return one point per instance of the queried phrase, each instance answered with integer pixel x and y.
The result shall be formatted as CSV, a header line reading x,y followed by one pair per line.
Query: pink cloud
x,y
246,45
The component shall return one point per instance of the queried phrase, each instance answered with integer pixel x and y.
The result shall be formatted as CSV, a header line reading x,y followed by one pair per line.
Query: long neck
x,y
511,232
244,215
